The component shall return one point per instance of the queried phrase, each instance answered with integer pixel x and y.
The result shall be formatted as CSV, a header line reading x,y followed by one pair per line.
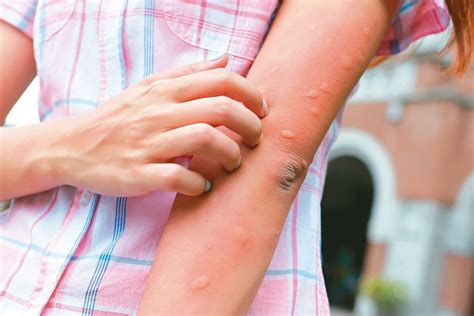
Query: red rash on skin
x,y
200,283
312,94
251,197
241,235
287,134
346,62
314,110
304,163
325,87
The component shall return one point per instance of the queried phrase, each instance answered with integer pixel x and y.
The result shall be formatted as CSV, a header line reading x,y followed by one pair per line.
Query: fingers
x,y
198,139
220,111
219,82
220,62
173,177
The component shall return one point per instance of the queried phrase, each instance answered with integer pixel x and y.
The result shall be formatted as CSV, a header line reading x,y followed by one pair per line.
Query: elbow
x,y
289,172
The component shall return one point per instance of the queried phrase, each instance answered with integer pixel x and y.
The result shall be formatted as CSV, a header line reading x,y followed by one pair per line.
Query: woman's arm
x,y
216,248
127,146
17,66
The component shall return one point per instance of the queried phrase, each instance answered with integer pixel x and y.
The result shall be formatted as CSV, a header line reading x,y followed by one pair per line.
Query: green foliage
x,y
385,293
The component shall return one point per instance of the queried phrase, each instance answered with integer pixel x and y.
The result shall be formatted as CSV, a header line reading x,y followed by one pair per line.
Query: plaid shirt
x,y
68,251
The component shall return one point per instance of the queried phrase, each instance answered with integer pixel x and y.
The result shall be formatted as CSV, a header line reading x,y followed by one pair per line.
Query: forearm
x,y
215,249
26,161
19,175
17,66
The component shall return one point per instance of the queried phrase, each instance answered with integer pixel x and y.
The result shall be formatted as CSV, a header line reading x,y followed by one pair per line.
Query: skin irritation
x,y
314,110
241,235
287,134
325,87
346,62
201,282
312,94
304,164
270,209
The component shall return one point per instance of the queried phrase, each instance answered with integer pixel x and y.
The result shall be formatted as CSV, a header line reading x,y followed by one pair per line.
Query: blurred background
x,y
398,206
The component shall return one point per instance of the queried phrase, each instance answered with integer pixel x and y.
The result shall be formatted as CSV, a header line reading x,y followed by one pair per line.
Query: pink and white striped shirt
x,y
69,251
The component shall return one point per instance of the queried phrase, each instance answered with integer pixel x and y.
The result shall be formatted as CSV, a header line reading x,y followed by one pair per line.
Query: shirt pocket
x,y
235,27
55,14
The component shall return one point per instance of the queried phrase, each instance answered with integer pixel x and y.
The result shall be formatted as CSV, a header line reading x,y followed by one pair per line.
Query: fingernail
x,y
217,58
265,107
208,186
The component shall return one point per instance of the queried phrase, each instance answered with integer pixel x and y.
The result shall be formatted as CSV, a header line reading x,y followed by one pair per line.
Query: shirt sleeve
x,y
20,14
415,19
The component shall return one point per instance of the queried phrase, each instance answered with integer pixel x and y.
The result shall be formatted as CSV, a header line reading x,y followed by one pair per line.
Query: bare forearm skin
x,y
216,248
27,158
17,66
17,70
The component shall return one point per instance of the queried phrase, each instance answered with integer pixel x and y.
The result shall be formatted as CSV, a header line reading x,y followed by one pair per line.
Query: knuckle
x,y
223,107
179,86
137,91
131,181
173,176
204,135
224,76
157,87
148,80
129,173
162,113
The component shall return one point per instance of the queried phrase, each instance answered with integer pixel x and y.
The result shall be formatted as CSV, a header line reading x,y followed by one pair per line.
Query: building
x,y
399,194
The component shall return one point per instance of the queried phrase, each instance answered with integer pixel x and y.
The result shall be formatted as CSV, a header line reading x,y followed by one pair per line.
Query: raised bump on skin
x,y
287,134
314,110
312,94
200,282
346,62
241,235
304,164
325,87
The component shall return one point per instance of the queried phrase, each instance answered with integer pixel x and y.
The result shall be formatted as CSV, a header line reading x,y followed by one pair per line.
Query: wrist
x,y
26,160
40,160
50,156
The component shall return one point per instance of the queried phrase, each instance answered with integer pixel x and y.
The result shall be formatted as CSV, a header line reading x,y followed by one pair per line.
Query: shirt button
x,y
85,198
